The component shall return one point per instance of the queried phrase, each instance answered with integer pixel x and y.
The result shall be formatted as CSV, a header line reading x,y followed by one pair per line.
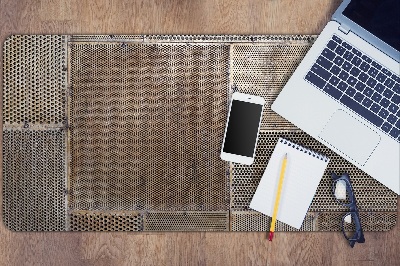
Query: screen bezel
x,y
235,157
363,33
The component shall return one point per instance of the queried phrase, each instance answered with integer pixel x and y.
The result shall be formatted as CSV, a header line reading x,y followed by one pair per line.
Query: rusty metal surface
x,y
263,70
33,180
186,221
146,123
34,73
255,221
123,133
313,221
105,221
371,195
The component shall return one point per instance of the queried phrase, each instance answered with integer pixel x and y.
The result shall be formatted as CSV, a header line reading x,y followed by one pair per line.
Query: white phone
x,y
242,127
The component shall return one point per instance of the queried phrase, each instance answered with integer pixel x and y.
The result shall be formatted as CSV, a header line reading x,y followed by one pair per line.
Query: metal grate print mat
x,y
123,133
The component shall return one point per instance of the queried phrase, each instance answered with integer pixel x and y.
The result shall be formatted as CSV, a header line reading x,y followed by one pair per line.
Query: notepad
x,y
304,171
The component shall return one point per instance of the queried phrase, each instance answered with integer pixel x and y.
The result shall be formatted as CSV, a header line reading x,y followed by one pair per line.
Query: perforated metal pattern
x,y
371,195
34,79
263,69
196,38
324,221
146,121
33,180
371,221
186,221
146,126
255,221
99,221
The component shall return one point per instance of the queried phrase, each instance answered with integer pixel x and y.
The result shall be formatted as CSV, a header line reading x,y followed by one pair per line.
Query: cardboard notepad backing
x,y
303,173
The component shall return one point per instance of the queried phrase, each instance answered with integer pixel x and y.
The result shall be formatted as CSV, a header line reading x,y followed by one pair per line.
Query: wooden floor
x,y
181,17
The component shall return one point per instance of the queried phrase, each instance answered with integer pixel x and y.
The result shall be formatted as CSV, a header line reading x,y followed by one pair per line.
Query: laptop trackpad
x,y
347,134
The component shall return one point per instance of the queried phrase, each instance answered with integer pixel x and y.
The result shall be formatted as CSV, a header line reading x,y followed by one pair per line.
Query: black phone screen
x,y
241,133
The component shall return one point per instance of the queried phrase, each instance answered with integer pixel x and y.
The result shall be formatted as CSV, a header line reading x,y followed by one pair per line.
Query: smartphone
x,y
242,127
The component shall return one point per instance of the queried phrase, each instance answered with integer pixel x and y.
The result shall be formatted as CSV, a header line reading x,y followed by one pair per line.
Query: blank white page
x,y
304,170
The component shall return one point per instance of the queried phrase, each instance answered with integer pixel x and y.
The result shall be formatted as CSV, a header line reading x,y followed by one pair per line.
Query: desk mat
x,y
123,133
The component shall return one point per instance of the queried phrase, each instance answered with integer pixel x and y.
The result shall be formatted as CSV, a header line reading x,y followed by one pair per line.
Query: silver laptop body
x,y
345,92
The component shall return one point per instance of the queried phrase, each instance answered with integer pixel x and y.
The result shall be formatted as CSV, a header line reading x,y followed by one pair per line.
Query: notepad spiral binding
x,y
305,150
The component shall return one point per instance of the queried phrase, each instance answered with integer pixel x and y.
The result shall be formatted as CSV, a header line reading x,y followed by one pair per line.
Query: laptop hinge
x,y
344,29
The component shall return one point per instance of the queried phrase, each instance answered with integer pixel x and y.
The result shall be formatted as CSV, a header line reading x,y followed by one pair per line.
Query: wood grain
x,y
180,17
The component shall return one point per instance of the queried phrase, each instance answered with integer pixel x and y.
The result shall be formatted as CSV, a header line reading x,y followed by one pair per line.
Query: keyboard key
x,y
321,72
340,50
386,127
332,91
371,82
396,88
314,79
350,91
381,77
356,61
359,97
396,78
366,58
359,86
376,65
389,83
388,93
342,86
397,124
328,54
346,66
364,66
367,102
393,108
361,110
375,108
394,132
376,97
396,99
338,60
379,88
391,119
363,77
355,71
383,113
373,72
343,75
368,91
337,39
332,45
322,61
351,81
346,45
334,80
348,55
386,71
335,70
385,102
356,52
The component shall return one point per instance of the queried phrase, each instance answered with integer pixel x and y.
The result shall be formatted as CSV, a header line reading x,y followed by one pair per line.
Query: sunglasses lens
x,y
341,192
349,226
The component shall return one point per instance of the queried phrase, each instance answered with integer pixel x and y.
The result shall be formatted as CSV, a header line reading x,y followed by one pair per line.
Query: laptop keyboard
x,y
360,83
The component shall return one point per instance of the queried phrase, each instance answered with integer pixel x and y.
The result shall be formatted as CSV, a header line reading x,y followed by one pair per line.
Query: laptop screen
x,y
379,17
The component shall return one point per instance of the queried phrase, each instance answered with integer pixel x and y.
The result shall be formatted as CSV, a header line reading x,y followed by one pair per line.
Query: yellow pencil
x,y
278,197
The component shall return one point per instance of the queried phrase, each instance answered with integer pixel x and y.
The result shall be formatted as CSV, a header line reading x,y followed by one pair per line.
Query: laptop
x,y
346,91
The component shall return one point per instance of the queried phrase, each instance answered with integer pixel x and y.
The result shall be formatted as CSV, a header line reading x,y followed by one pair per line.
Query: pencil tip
x,y
285,155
